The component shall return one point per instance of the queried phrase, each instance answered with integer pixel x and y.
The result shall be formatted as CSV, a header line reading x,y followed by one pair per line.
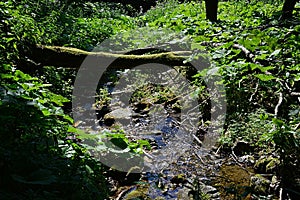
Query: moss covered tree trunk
x,y
288,8
73,58
211,7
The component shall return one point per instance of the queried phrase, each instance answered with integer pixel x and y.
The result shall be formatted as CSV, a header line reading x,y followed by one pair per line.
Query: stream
x,y
188,171
177,165
190,174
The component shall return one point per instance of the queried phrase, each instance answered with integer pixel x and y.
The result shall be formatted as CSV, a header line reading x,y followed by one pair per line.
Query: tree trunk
x,y
73,58
288,8
211,7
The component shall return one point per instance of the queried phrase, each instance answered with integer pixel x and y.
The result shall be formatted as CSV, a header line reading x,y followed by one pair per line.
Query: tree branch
x,y
278,104
246,52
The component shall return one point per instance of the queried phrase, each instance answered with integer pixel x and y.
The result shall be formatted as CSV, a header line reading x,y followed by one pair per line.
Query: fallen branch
x,y
246,52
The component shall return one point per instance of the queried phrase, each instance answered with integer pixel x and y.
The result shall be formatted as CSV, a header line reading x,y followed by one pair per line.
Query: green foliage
x,y
120,140
149,93
114,141
35,161
249,128
256,54
23,95
60,80
286,137
63,23
178,17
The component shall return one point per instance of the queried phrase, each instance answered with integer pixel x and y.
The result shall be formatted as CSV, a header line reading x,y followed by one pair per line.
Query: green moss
x,y
139,193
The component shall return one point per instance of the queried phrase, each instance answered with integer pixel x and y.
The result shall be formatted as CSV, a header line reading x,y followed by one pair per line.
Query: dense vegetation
x,y
255,51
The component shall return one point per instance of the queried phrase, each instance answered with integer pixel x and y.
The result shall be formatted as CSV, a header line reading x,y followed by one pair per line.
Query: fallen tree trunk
x,y
68,57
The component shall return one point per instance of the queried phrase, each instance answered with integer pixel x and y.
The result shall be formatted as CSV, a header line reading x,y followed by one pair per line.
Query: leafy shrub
x,y
36,159
248,128
48,22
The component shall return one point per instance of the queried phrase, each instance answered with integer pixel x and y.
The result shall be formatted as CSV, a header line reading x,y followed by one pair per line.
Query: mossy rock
x,y
122,115
260,184
140,193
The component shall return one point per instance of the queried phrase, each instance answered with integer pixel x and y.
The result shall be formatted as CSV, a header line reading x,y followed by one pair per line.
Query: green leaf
x,y
82,134
263,116
119,142
57,99
144,143
46,112
68,118
254,66
275,53
277,122
263,56
89,169
264,69
265,77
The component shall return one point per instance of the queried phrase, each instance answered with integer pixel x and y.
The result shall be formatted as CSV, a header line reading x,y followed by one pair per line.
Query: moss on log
x,y
69,57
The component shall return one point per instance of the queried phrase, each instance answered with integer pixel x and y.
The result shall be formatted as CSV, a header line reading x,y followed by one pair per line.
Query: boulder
x,y
121,115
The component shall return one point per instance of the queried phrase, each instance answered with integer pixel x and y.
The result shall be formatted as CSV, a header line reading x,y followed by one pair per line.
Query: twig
x,y
218,149
199,157
295,93
148,155
197,139
247,53
280,194
132,169
296,128
278,104
123,192
234,157
256,88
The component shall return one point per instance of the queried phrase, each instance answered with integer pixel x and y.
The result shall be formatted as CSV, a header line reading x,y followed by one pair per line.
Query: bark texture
x,y
73,58
211,7
288,8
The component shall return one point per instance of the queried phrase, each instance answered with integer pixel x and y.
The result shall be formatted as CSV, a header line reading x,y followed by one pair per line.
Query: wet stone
x,y
209,189
121,115
260,184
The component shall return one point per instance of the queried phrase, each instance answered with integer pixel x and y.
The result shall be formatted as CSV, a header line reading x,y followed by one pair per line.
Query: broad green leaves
x,y
265,77
114,141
